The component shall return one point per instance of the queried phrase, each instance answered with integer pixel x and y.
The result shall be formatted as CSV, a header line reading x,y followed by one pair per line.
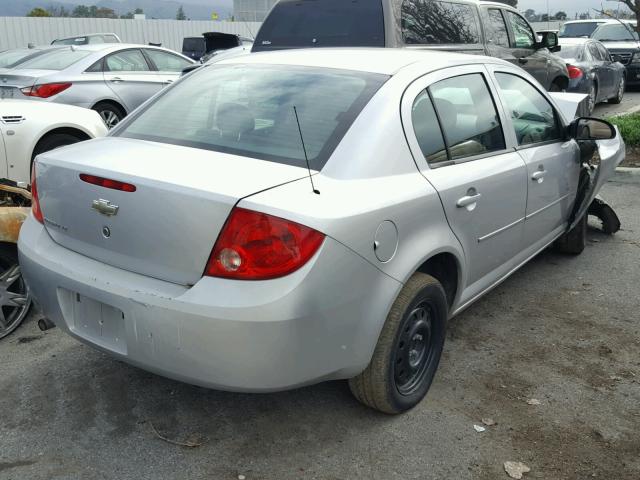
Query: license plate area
x,y
94,321
7,92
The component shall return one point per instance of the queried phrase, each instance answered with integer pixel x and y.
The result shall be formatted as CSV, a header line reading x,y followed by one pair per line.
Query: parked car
x,y
193,241
110,79
581,28
26,130
209,43
11,58
466,26
593,71
622,41
90,39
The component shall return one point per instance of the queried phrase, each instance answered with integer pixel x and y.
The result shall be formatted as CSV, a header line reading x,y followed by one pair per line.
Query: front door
x,y
168,65
525,54
131,78
481,183
553,163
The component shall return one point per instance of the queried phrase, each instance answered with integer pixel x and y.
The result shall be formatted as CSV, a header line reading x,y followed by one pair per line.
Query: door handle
x,y
539,175
468,200
116,80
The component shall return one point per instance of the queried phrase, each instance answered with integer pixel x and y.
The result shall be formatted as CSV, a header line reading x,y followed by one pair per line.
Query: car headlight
x,y
635,58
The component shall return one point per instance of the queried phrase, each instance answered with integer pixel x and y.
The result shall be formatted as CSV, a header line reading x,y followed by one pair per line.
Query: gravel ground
x,y
563,331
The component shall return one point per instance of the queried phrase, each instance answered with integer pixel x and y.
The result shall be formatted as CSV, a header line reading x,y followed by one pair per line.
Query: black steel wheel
x,y
622,86
14,296
408,351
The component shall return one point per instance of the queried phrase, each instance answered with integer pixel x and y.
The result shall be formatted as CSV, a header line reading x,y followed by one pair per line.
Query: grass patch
x,y
629,126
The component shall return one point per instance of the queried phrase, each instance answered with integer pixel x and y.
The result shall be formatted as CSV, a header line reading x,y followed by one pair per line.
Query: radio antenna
x,y
304,149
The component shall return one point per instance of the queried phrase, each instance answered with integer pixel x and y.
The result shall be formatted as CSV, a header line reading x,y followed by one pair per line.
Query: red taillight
x,y
45,90
35,202
257,246
107,183
574,72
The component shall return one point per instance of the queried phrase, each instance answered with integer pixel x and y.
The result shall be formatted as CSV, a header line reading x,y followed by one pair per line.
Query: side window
x,y
468,116
110,39
96,67
434,22
595,53
496,29
521,30
534,118
167,62
126,61
95,39
427,130
604,52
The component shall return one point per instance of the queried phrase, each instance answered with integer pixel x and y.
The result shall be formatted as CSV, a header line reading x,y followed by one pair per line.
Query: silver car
x,y
194,242
112,79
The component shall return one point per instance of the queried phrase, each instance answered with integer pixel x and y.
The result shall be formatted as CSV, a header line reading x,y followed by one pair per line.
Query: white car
x,y
28,129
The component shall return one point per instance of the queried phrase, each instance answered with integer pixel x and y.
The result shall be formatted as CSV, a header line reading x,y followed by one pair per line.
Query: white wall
x,y
16,32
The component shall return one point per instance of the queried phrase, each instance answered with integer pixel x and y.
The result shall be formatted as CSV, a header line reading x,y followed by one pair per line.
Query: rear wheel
x,y
408,352
53,141
556,87
592,99
575,240
111,114
14,297
620,93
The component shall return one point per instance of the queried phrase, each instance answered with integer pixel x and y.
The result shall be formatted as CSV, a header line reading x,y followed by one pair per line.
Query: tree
x,y
560,15
38,12
180,14
634,5
81,11
530,15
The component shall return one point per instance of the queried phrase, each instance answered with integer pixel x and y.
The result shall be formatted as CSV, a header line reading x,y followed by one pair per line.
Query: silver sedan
x,y
111,79
291,217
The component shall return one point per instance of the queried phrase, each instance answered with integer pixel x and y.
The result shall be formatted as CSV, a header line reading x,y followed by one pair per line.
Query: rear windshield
x,y
54,60
432,22
571,52
71,41
8,58
248,110
327,23
193,45
615,33
575,30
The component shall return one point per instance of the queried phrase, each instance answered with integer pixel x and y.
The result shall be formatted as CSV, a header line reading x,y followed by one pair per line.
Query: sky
x,y
569,6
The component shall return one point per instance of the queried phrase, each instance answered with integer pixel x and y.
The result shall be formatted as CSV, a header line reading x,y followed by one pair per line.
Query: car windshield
x,y
570,52
12,57
54,60
249,110
583,29
615,33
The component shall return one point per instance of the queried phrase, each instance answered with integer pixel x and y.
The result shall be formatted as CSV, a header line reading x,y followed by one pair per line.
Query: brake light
x,y
257,246
45,90
35,202
574,72
107,183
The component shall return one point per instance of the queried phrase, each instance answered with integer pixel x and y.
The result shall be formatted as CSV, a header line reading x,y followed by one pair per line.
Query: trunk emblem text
x,y
105,207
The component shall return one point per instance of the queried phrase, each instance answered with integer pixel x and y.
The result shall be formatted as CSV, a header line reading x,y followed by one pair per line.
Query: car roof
x,y
387,61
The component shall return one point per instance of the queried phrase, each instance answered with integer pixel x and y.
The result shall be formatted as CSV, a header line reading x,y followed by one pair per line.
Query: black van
x,y
467,26
209,42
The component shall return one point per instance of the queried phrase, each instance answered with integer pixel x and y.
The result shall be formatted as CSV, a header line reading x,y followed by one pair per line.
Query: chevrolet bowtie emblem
x,y
105,207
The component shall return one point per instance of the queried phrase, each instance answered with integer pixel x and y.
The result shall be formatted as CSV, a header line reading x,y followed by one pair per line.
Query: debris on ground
x,y
479,428
191,442
489,422
533,401
516,469
241,477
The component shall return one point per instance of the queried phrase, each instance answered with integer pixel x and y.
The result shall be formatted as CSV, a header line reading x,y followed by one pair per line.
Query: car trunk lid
x,y
167,227
22,78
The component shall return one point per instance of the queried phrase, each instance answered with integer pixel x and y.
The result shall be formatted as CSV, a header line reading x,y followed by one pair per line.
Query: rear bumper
x,y
633,74
319,323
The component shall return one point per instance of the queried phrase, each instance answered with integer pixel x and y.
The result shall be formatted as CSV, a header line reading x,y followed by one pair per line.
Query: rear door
x,y
457,138
523,45
552,161
168,65
497,34
610,69
130,76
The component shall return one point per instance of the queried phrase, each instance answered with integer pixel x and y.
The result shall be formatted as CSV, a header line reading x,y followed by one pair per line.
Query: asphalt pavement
x,y
630,104
552,357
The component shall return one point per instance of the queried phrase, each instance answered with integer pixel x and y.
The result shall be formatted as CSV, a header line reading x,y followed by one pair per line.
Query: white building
x,y
251,10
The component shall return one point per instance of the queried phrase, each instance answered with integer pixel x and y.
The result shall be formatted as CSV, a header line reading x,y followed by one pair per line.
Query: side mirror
x,y
550,40
591,129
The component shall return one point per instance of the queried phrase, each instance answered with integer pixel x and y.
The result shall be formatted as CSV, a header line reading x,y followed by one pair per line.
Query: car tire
x,y
592,99
574,241
53,141
620,94
556,87
408,351
111,114
13,291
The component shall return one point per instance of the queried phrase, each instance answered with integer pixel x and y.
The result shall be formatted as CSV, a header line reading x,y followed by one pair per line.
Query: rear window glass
x,y
248,110
615,33
10,57
573,52
193,45
71,41
327,23
578,29
54,60
431,22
